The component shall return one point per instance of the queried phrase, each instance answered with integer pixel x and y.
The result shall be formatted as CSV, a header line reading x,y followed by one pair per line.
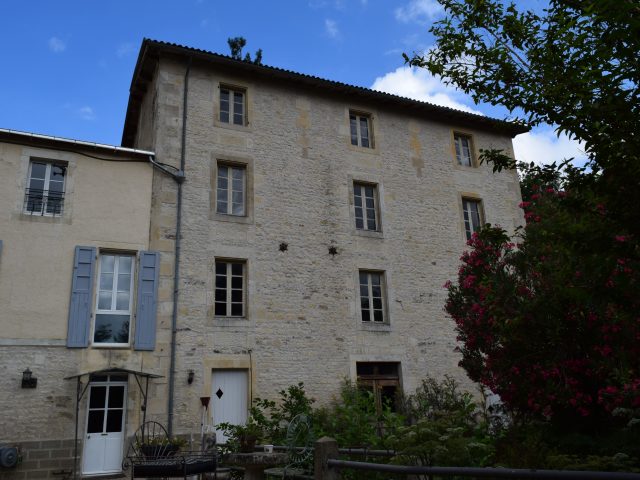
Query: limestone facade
x,y
302,309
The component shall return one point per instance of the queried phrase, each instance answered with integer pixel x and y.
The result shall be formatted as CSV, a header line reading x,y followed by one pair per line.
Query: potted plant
x,y
242,438
161,446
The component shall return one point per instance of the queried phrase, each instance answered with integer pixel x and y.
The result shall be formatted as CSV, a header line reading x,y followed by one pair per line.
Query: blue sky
x,y
68,63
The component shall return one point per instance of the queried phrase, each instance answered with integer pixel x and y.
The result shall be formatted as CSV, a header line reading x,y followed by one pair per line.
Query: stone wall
x,y
303,317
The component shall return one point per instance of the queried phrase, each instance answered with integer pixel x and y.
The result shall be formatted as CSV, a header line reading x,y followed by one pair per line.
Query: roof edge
x,y
151,48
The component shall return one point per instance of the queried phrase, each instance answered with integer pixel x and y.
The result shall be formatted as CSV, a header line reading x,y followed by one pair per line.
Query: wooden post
x,y
325,448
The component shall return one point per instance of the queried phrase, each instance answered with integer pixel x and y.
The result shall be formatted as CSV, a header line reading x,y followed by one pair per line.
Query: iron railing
x,y
43,202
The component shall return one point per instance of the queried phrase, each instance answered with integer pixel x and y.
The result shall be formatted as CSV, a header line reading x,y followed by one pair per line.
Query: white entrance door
x,y
229,394
104,436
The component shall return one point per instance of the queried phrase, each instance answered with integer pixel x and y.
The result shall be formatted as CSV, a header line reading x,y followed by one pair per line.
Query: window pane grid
x,y
229,292
113,309
45,192
232,108
359,128
364,199
471,217
231,186
463,149
371,299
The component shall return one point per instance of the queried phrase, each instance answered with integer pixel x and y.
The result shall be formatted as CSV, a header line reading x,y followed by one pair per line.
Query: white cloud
x,y
542,145
419,84
419,11
331,27
56,45
86,113
125,49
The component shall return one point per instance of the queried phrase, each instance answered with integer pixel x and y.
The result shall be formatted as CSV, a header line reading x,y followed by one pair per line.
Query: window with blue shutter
x,y
81,297
149,269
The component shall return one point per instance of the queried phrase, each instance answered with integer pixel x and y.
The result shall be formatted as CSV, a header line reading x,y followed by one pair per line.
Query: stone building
x,y
317,224
310,226
78,293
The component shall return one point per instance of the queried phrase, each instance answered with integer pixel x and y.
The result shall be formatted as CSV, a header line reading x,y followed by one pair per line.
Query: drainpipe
x,y
176,266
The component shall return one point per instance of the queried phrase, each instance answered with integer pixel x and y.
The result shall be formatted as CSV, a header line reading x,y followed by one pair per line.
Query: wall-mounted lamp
x,y
28,381
190,377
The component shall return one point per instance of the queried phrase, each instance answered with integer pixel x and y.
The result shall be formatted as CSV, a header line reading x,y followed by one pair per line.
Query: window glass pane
x,y
106,281
124,264
221,282
114,421
221,309
236,268
371,222
236,282
365,316
377,316
236,310
238,173
38,170
124,282
56,188
357,189
236,296
95,422
369,202
222,207
376,291
359,222
224,105
57,173
98,397
237,198
221,294
377,303
364,131
122,301
116,396
354,129
111,329
223,172
221,268
107,263
364,278
238,209
375,279
364,303
104,300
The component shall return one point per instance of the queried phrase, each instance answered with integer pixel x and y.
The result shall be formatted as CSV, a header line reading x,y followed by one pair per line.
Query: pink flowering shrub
x,y
550,321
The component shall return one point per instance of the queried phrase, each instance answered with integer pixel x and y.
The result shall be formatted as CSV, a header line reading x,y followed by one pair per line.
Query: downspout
x,y
176,265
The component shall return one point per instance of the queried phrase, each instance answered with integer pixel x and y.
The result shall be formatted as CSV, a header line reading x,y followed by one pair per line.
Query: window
x,y
45,192
472,214
231,188
464,149
230,288
360,125
232,106
365,202
113,299
371,296
383,380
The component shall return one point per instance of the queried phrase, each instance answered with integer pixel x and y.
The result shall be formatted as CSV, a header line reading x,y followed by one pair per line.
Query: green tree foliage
x,y
574,65
236,44
549,320
552,323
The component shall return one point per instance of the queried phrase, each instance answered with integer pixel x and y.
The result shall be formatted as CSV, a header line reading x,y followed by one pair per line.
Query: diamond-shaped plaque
x,y
219,393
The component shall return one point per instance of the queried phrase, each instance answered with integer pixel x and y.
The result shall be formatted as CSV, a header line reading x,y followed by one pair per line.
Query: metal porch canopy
x,y
107,371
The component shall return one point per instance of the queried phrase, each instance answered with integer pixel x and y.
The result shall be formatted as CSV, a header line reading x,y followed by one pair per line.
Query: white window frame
x,y
114,292
228,288
363,207
231,112
370,297
464,154
470,227
359,116
45,191
230,191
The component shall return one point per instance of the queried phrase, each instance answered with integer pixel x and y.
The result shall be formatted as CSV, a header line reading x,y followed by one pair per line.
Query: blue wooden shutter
x,y
147,303
81,297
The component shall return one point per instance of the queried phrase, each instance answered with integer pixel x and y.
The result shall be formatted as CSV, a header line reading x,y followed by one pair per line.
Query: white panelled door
x,y
229,394
104,433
